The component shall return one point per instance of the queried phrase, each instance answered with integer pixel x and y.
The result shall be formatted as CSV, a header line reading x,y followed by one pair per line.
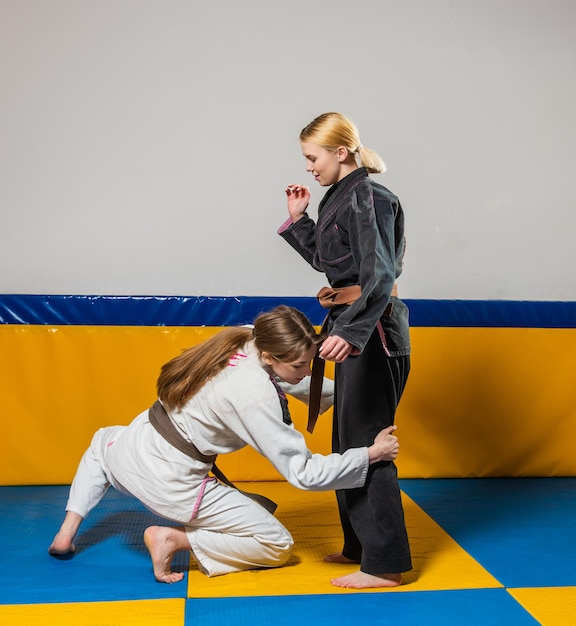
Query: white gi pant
x,y
230,532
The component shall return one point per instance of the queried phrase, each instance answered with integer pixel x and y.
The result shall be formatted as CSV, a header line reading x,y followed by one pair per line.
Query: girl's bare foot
x,y
338,558
62,544
361,580
163,542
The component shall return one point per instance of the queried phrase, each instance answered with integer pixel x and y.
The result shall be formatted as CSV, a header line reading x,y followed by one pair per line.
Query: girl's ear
x,y
266,358
342,153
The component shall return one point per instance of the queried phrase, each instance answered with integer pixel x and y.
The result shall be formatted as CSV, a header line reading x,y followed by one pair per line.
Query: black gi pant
x,y
368,389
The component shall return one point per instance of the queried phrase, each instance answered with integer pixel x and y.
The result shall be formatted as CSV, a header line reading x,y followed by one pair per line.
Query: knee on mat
x,y
279,551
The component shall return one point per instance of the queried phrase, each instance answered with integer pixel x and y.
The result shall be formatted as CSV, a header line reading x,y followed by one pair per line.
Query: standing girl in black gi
x,y
358,242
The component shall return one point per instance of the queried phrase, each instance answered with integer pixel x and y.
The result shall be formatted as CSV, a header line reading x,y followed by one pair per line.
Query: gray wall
x,y
145,144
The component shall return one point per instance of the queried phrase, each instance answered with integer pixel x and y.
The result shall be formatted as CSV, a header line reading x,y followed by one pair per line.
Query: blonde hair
x,y
284,332
332,130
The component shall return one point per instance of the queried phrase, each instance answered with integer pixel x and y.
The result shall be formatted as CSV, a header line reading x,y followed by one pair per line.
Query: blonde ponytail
x,y
370,160
332,130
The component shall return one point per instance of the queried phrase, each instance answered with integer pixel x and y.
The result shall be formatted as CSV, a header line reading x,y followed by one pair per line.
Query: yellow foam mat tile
x,y
439,563
552,606
121,613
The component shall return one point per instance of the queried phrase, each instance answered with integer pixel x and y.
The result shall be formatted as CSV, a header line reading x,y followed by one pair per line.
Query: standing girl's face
x,y
324,165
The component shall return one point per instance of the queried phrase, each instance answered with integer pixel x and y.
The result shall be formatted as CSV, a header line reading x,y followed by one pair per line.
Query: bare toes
x,y
339,558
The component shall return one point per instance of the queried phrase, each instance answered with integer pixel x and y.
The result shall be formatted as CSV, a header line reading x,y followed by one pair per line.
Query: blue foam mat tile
x,y
520,529
111,561
484,607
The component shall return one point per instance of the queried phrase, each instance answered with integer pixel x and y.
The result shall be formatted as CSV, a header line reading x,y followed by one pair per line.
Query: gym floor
x,y
485,551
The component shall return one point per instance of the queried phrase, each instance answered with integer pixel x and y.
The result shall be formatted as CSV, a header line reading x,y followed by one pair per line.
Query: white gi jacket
x,y
238,407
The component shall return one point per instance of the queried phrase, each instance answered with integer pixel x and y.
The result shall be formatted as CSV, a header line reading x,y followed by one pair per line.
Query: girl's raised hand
x,y
298,200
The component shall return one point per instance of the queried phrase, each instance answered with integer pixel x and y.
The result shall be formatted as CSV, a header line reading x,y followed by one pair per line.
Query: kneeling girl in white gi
x,y
218,397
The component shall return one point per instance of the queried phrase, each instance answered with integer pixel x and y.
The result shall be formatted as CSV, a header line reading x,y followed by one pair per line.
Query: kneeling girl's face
x,y
294,371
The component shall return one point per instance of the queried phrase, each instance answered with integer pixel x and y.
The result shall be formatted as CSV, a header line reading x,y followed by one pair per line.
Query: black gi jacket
x,y
358,240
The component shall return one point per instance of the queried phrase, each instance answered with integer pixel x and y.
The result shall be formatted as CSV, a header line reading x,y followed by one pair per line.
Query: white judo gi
x,y
240,406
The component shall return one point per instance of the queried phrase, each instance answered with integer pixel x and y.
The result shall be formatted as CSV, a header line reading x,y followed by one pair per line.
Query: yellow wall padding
x,y
479,401
484,402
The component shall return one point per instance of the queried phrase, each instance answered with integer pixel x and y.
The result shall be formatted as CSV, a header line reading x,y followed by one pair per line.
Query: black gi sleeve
x,y
301,236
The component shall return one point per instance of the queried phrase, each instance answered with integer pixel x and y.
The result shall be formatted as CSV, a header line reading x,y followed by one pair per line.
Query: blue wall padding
x,y
491,314
229,311
144,310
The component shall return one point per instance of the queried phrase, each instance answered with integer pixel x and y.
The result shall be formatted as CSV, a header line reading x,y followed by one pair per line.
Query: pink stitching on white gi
x,y
200,495
234,357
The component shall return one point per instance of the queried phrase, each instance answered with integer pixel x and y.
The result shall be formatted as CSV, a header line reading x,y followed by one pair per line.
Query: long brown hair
x,y
284,332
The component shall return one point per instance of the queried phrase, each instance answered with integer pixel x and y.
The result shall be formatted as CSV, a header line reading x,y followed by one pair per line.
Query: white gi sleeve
x,y
301,391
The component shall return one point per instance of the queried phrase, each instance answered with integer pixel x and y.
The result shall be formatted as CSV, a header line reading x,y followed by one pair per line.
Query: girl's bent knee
x,y
282,551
